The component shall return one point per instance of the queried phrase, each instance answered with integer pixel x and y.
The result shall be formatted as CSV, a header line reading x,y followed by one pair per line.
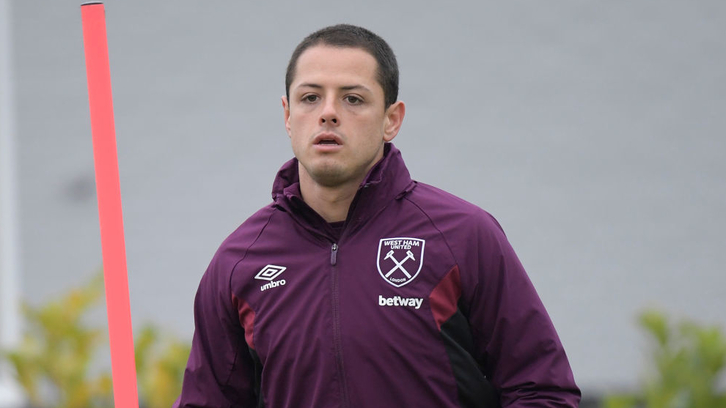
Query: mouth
x,y
327,139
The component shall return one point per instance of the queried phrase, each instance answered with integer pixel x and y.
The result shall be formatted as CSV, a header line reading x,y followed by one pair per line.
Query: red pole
x,y
123,364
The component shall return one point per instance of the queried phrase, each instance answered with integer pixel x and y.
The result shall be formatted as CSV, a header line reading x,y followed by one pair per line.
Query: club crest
x,y
400,259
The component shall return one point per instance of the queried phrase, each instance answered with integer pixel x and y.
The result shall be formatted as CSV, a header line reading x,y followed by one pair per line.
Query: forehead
x,y
323,64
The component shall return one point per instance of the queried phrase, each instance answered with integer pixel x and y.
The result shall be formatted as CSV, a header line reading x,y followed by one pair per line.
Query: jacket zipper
x,y
337,342
334,254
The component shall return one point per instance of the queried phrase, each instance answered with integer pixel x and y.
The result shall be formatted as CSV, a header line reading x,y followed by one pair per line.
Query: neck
x,y
332,203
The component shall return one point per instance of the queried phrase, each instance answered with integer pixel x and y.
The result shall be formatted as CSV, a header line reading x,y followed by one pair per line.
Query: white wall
x,y
10,395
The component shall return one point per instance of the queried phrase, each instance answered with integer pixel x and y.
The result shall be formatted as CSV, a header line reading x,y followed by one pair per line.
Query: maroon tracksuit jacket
x,y
419,301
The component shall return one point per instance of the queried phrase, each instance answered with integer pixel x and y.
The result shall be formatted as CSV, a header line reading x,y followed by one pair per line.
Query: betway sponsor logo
x,y
400,301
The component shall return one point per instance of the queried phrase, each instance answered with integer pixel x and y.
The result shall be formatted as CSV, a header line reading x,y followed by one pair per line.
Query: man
x,y
358,287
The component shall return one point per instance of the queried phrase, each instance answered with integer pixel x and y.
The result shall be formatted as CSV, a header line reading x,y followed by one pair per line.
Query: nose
x,y
329,114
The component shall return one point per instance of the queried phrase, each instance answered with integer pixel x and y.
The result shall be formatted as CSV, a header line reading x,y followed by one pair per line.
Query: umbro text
x,y
400,301
272,284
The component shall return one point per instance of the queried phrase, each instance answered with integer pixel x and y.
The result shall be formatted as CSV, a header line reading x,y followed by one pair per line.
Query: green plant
x,y
53,363
688,362
160,363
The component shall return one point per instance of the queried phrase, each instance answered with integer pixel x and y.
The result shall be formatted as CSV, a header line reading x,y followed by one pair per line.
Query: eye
x,y
310,98
353,100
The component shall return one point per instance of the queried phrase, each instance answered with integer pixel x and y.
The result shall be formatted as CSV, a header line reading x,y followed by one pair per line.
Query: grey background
x,y
593,131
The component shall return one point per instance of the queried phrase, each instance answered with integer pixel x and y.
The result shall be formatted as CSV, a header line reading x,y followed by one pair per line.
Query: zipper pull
x,y
334,254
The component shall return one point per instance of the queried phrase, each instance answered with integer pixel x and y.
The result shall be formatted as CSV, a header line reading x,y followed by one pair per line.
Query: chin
x,y
327,172
329,176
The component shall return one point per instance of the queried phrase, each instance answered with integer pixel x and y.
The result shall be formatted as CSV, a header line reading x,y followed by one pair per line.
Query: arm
x,y
220,371
514,336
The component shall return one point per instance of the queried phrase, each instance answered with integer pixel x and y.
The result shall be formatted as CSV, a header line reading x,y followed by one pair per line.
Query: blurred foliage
x,y
53,363
687,370
160,363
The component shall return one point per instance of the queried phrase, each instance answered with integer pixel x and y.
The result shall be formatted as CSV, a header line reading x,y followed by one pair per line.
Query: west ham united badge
x,y
400,259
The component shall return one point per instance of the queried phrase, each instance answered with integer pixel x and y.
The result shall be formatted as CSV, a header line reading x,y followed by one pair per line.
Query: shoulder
x,y
449,212
235,247
474,237
214,295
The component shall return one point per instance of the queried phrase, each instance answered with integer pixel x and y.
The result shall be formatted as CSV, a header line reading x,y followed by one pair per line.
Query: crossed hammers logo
x,y
399,265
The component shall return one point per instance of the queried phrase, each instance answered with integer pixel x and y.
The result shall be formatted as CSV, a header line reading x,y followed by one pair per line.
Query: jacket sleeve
x,y
220,370
514,337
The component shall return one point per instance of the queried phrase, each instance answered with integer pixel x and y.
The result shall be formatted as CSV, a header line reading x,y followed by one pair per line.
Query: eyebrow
x,y
342,88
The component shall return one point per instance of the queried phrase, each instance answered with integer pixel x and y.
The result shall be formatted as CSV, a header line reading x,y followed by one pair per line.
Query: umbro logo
x,y
268,273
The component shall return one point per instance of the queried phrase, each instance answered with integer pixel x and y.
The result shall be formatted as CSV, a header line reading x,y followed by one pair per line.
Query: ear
x,y
286,112
393,120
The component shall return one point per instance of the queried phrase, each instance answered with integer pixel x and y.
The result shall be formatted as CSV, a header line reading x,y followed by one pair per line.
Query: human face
x,y
336,117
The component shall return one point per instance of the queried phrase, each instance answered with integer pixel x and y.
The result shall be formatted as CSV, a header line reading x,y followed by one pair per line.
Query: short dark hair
x,y
346,35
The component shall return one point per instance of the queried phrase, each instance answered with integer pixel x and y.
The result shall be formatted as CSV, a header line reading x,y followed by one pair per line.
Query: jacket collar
x,y
389,179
